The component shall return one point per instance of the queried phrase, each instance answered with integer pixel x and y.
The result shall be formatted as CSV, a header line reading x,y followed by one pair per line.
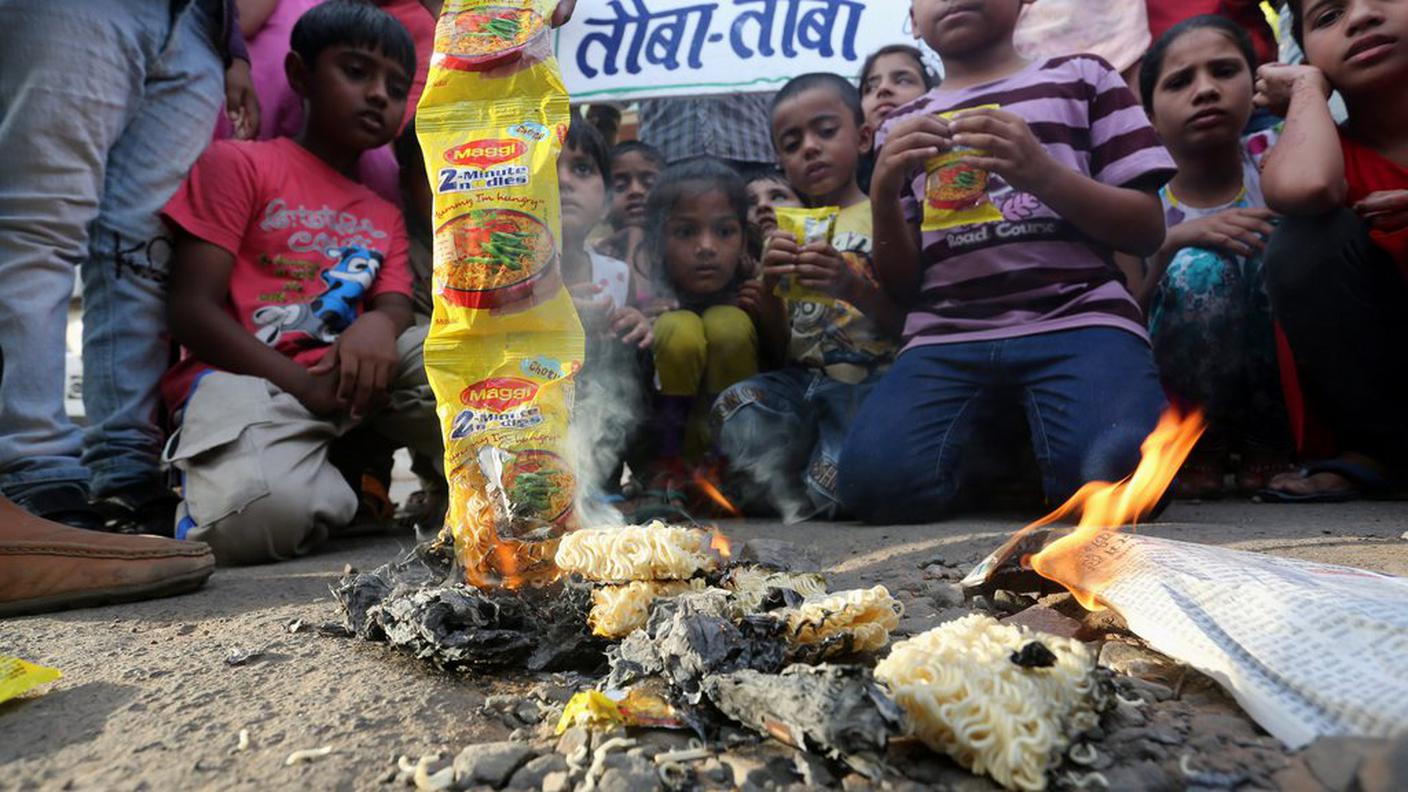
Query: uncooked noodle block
x,y
966,696
637,552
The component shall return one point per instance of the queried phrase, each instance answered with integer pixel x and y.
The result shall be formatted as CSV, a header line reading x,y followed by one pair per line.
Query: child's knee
x,y
730,331
680,336
286,523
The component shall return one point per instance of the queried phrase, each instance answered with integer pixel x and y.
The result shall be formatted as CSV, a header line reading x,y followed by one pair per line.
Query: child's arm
x,y
821,267
1304,172
913,140
1126,219
759,299
198,293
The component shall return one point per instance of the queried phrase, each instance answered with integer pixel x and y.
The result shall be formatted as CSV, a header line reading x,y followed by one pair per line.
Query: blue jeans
x,y
104,106
1091,396
783,431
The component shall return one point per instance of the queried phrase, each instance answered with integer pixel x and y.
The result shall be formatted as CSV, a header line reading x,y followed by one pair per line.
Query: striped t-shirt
x,y
1033,272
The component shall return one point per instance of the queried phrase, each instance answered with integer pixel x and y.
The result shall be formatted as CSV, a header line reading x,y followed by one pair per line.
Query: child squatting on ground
x,y
782,430
290,294
1336,266
696,245
1205,290
1022,301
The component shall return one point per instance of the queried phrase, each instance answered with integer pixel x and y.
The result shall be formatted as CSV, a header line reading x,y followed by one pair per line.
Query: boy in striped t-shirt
x,y
1012,291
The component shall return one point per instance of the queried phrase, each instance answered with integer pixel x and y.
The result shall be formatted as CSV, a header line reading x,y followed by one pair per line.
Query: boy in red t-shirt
x,y
290,293
1336,268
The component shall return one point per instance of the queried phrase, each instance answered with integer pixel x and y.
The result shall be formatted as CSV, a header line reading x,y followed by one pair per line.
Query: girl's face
x,y
764,196
632,176
1203,96
894,80
583,193
1359,44
703,243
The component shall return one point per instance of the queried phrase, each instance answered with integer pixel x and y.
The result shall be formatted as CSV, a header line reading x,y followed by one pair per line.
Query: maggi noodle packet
x,y
808,226
956,191
505,343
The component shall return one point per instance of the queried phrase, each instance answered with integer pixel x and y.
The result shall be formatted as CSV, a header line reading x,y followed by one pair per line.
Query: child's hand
x,y
593,307
821,268
780,257
757,300
1386,210
365,360
1238,231
631,326
911,142
563,12
1276,82
319,393
1013,152
241,102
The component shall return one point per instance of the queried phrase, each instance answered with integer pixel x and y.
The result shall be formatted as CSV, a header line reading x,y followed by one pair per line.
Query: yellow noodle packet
x,y
956,190
17,677
808,226
505,343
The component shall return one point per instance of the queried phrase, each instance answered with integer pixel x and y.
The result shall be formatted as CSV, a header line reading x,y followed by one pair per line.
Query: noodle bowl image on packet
x,y
505,344
808,226
955,190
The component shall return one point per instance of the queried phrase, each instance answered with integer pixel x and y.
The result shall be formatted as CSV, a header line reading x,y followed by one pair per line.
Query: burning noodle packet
x,y
956,190
505,343
808,226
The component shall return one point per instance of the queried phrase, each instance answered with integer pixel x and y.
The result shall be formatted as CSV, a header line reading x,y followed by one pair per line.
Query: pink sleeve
x,y
395,275
217,200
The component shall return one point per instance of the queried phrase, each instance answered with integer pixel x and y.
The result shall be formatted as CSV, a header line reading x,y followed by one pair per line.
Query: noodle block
x,y
966,696
618,611
637,552
866,616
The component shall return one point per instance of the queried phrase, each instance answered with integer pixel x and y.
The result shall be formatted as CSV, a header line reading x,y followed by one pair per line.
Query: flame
x,y
721,544
712,493
1104,507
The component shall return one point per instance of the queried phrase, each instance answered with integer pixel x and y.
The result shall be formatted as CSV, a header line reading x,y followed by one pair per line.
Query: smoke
x,y
769,475
609,409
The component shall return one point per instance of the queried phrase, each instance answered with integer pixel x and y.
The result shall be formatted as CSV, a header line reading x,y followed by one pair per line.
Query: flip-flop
x,y
1365,482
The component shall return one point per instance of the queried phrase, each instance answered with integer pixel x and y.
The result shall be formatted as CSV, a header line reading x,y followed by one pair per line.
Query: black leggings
x,y
1343,305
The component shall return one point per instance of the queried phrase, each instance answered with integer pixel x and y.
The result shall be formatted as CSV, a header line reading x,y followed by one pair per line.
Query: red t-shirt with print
x,y
311,246
1368,172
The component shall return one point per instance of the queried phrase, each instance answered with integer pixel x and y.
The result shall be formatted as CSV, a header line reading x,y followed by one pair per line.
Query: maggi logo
x,y
486,153
499,393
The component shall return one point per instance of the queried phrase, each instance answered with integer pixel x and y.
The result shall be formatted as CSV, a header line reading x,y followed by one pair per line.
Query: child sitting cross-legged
x,y
831,339
1004,257
1209,314
290,294
1337,266
696,231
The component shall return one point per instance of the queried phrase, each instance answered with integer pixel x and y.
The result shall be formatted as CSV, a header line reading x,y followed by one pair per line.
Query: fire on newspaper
x,y
1307,649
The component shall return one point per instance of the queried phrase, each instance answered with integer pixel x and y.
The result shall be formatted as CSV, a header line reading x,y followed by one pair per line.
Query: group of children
x,y
1115,257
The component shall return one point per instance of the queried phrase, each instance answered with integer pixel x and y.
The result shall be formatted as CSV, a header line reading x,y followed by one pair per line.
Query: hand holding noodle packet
x,y
808,226
505,342
956,190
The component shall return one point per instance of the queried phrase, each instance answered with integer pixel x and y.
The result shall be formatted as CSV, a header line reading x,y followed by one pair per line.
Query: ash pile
x,y
661,663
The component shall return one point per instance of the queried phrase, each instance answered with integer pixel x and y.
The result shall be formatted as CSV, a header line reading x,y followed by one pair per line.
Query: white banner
x,y
619,50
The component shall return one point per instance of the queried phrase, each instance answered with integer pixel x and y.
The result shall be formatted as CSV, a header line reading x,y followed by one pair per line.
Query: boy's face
x,y
583,193
1360,45
818,143
356,96
764,196
632,176
703,243
1203,96
956,28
